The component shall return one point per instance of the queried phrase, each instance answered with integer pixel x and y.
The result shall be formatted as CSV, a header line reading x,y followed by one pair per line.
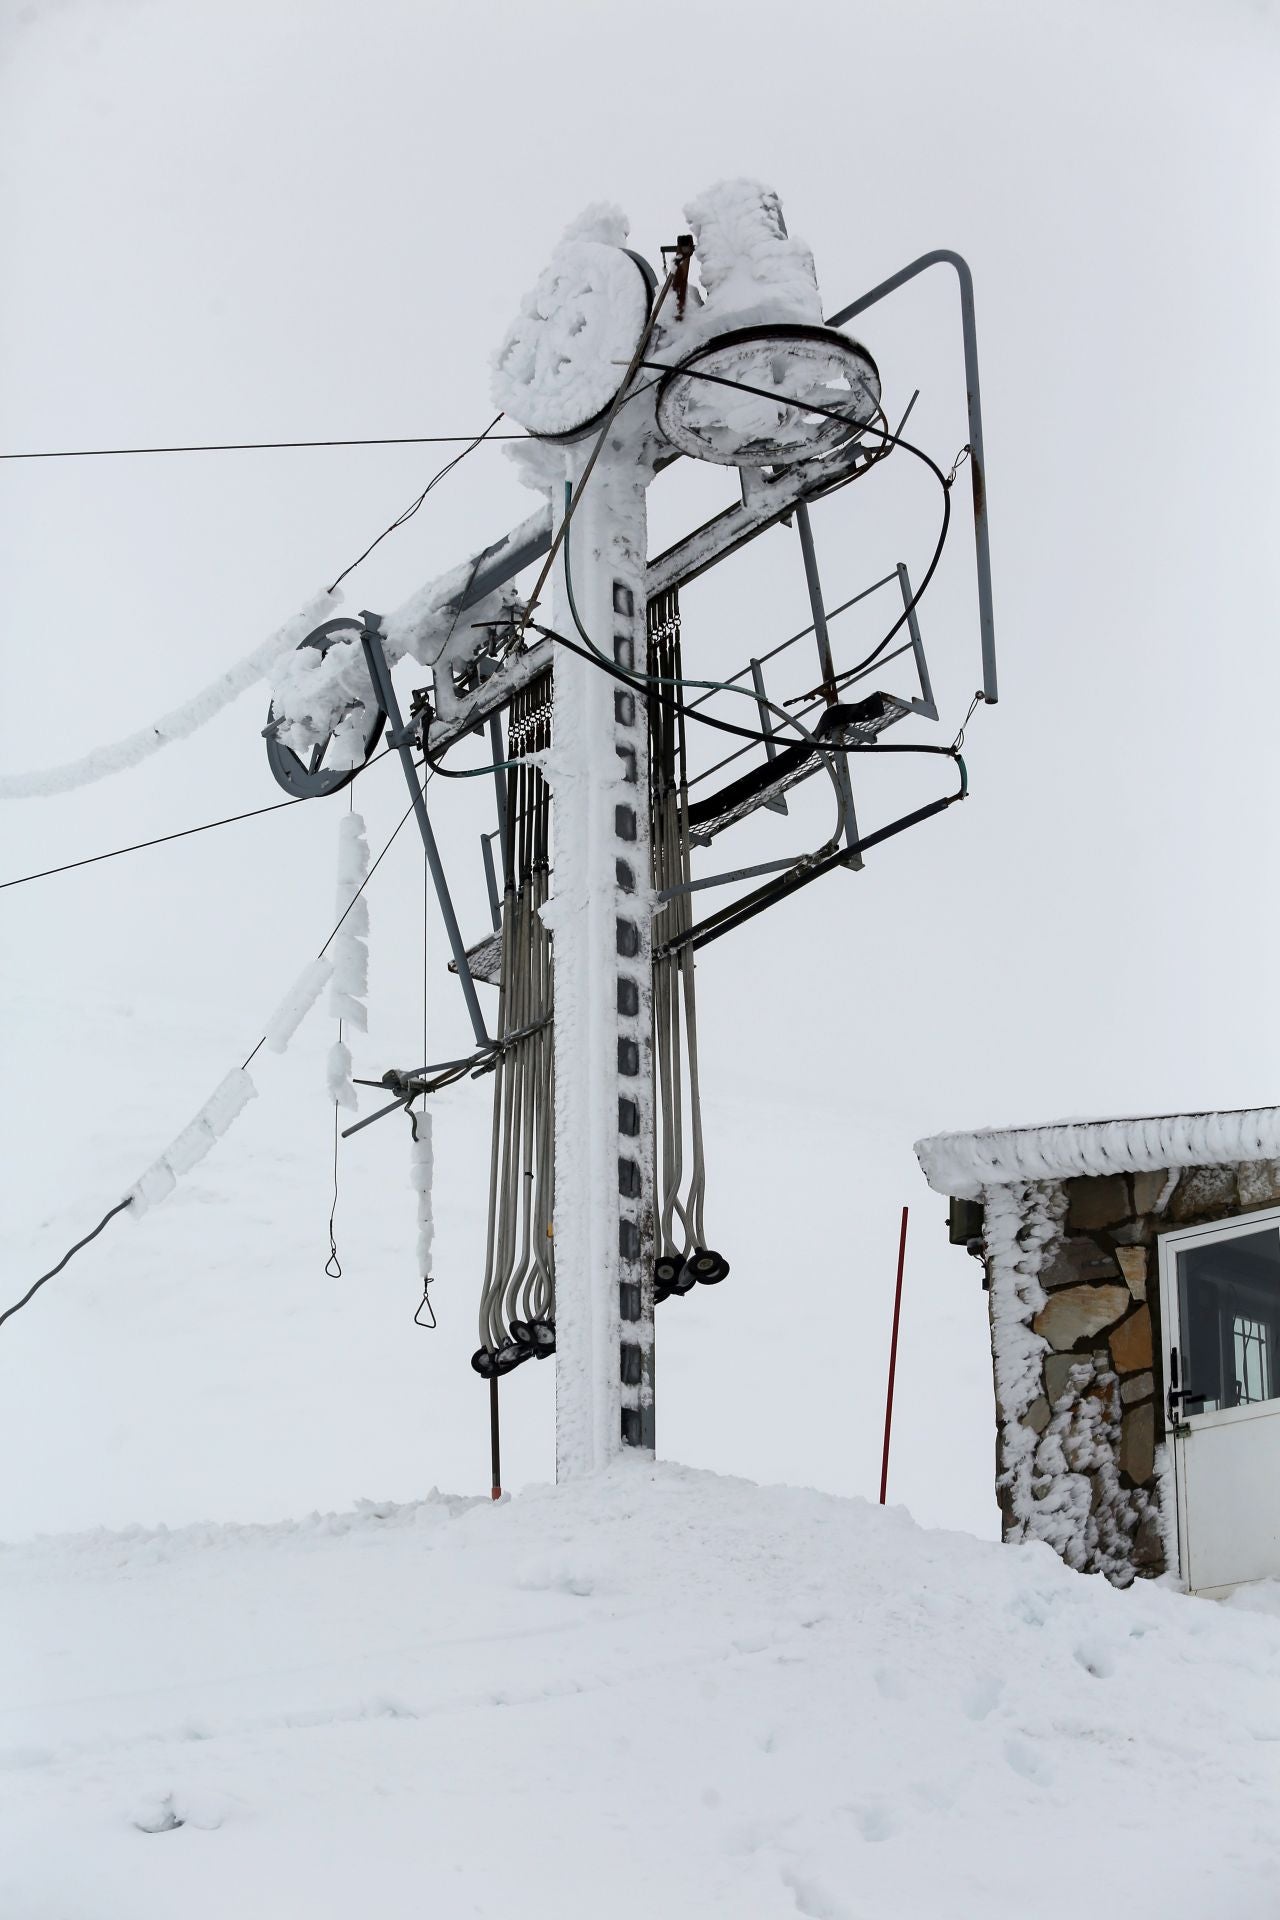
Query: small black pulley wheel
x,y
705,1267
310,779
544,1337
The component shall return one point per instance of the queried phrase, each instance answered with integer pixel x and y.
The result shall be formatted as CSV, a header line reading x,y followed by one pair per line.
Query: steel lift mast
x,y
592,546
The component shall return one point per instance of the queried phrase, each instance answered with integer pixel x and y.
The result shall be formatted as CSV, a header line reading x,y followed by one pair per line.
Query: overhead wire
x,y
259,446
34,1289
889,440
127,1201
409,511
183,833
827,749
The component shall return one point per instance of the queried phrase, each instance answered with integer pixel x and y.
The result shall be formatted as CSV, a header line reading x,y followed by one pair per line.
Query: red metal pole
x,y
893,1359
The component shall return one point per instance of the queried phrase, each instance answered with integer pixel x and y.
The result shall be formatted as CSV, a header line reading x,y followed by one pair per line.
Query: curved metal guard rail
x,y
942,256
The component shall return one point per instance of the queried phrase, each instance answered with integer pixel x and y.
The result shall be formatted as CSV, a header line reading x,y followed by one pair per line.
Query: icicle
x,y
420,1170
350,953
338,1076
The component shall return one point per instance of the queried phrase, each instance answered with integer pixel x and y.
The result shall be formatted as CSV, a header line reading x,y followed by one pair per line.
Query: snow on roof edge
x,y
964,1163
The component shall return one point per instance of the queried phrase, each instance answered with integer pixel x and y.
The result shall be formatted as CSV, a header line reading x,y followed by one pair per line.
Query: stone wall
x,y
1073,1272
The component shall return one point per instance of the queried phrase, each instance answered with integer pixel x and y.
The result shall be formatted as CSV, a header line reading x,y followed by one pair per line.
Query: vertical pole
x,y
893,1359
384,688
495,1443
500,791
818,609
602,971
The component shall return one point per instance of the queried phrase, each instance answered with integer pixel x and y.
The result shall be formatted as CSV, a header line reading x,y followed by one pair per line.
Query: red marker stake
x,y
893,1359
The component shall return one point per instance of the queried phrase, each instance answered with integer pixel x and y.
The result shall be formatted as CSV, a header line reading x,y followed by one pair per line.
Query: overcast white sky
x,y
242,222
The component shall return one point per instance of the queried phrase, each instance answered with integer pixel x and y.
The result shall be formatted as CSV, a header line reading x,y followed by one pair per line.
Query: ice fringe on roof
x,y
966,1164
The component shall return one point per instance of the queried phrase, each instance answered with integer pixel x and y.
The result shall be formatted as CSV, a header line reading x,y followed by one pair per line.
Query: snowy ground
x,y
662,1692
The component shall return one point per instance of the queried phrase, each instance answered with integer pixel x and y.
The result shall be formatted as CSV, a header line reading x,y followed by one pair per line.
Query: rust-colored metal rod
x,y
893,1359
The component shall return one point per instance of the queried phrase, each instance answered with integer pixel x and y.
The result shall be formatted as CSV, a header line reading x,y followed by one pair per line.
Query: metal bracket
x,y
379,674
943,257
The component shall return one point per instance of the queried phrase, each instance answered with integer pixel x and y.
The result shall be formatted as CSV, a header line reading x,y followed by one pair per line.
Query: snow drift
x,y
653,1692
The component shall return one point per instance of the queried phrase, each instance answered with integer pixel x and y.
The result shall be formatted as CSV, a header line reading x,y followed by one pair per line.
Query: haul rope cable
x,y
409,512
221,692
183,833
262,446
120,1205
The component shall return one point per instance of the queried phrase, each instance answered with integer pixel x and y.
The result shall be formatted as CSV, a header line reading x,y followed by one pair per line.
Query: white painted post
x,y
599,914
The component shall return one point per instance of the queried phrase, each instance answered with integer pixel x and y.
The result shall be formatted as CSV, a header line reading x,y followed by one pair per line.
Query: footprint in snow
x,y
157,1816
890,1683
1096,1659
982,1695
1024,1760
876,1822
166,1812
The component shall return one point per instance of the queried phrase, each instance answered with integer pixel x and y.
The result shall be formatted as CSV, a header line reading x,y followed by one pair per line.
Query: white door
x,y
1220,1299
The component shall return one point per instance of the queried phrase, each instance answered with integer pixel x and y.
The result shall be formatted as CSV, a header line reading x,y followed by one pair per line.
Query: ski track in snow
x,y
653,1691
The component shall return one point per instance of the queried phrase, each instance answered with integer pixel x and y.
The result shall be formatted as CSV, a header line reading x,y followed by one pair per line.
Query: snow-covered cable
x,y
228,1099
176,725
289,1015
224,1105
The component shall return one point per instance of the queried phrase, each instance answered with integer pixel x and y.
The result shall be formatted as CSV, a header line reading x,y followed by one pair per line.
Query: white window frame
x,y
1172,1243
1168,1245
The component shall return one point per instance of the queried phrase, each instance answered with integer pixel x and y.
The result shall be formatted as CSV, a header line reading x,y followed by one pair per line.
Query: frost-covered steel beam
x,y
602,958
766,503
494,694
715,540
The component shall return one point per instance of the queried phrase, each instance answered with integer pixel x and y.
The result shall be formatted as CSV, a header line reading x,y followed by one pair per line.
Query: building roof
x,y
964,1164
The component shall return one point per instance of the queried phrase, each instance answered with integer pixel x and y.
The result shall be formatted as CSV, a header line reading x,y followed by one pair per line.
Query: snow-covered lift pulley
x,y
311,779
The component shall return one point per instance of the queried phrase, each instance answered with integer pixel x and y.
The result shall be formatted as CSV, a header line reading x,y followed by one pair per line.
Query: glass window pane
x,y
1229,1310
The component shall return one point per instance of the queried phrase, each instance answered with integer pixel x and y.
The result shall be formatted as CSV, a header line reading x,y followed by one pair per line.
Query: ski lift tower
x,y
567,370
616,371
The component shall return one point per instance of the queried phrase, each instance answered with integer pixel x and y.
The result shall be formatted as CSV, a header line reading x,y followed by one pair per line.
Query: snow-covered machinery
x,y
606,799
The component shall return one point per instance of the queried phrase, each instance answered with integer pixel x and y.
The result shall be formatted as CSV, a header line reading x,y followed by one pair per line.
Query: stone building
x,y
1133,1276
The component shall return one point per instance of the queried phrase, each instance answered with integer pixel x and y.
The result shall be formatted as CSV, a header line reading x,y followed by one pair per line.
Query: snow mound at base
x,y
658,1691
